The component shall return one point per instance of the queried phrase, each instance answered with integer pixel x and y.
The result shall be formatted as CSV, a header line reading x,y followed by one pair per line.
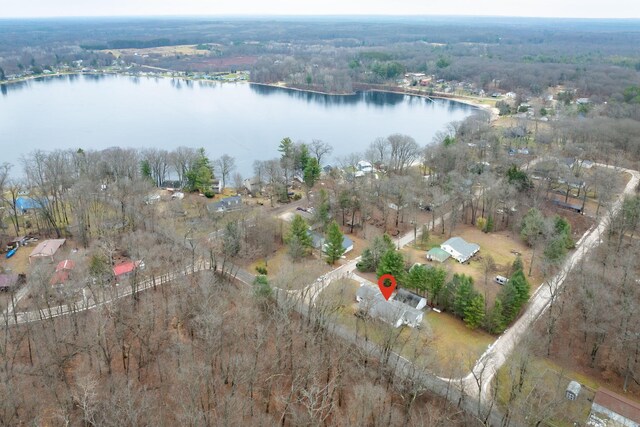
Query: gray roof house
x,y
225,205
391,312
459,249
318,242
395,313
410,299
367,293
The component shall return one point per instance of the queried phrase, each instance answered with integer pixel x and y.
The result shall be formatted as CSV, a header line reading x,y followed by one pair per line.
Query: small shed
x,y
573,390
437,254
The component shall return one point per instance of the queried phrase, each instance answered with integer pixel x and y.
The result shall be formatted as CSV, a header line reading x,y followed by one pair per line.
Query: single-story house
x,y
459,249
126,267
395,313
390,312
410,299
225,205
47,249
437,254
612,409
9,282
318,242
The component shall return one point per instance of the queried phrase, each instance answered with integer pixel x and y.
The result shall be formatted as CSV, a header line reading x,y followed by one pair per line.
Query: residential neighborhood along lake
x,y
243,120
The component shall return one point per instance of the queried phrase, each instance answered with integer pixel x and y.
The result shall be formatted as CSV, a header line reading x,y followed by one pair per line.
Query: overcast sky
x,y
533,8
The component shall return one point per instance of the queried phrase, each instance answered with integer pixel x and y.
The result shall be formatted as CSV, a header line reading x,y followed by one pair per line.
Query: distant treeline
x,y
133,44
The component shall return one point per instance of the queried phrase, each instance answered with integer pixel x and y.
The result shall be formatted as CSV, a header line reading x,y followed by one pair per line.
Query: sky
x,y
526,8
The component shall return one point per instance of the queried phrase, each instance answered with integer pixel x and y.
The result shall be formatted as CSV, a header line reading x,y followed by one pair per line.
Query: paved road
x,y
496,355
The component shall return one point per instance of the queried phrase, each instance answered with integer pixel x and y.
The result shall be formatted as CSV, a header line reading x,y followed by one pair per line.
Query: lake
x,y
243,120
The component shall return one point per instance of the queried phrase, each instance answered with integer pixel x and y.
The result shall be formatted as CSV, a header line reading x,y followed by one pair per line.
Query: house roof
x,y
574,387
67,264
47,248
59,277
224,204
389,311
438,254
367,292
125,267
412,315
317,240
618,404
24,203
409,298
461,246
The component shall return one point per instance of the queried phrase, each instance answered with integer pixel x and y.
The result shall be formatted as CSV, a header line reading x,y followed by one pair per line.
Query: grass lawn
x,y
19,262
456,347
548,382
499,245
443,344
292,276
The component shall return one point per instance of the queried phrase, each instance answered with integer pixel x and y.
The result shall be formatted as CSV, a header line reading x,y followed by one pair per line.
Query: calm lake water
x,y
245,121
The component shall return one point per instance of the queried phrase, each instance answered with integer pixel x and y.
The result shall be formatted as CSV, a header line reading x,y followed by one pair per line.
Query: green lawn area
x,y
443,344
456,346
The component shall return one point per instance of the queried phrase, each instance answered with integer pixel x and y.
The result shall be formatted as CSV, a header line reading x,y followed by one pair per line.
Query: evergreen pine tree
x,y
463,295
521,286
392,262
474,311
298,238
495,322
334,248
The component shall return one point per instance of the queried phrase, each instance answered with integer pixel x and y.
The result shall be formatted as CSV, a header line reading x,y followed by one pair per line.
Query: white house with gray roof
x,y
459,249
395,313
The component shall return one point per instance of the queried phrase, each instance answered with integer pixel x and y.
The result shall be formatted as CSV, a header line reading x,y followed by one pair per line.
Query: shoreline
x,y
460,99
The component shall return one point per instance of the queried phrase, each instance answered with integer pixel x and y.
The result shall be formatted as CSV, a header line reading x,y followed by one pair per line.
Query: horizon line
x,y
272,16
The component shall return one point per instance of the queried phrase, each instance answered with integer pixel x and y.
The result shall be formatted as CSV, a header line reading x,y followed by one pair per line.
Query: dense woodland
x,y
207,350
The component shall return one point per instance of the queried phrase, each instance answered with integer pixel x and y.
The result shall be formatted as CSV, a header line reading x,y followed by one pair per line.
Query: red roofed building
x,y
63,271
126,268
67,264
59,278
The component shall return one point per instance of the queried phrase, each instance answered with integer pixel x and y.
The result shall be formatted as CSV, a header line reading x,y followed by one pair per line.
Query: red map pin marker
x,y
382,284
